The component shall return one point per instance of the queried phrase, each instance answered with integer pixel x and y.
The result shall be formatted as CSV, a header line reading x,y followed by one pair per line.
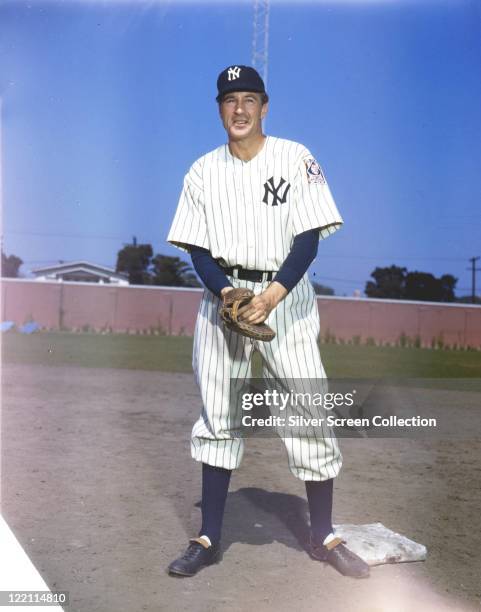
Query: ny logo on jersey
x,y
271,189
233,73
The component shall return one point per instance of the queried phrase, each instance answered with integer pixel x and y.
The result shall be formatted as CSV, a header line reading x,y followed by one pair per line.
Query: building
x,y
81,271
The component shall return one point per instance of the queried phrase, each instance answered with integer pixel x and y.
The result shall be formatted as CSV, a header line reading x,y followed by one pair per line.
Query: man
x,y
251,214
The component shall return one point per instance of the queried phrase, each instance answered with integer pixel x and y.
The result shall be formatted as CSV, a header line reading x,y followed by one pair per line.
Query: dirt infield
x,y
99,487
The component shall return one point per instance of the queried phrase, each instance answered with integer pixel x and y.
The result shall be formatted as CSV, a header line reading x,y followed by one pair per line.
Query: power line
x,y
320,257
69,261
393,257
348,281
54,235
56,261
41,261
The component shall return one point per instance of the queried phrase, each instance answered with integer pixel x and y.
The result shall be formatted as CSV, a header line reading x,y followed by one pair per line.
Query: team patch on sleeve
x,y
314,171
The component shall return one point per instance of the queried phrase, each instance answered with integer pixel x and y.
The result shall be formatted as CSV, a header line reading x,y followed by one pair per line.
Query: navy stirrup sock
x,y
215,484
319,497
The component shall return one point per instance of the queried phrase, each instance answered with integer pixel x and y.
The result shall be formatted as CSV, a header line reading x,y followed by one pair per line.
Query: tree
x,y
422,286
135,260
448,285
10,265
426,287
390,283
143,268
322,289
172,271
399,284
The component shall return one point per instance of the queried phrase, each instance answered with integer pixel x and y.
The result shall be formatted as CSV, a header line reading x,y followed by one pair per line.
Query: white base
x,y
377,544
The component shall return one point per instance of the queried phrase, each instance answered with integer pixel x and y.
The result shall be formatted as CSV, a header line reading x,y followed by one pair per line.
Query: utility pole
x,y
260,38
473,269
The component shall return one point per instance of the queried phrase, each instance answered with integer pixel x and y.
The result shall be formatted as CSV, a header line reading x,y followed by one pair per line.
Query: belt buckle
x,y
235,271
265,276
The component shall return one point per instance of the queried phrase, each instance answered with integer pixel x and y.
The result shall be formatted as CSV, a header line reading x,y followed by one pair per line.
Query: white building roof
x,y
59,270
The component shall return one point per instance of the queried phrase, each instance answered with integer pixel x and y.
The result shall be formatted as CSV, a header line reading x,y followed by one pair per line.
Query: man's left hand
x,y
261,306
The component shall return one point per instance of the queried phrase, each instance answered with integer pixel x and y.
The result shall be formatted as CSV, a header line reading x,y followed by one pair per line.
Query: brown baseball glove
x,y
235,299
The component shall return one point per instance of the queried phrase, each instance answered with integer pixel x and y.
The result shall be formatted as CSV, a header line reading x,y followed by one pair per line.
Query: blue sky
x,y
106,104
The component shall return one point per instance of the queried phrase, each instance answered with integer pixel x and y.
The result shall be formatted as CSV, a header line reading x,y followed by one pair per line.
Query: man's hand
x,y
261,306
225,290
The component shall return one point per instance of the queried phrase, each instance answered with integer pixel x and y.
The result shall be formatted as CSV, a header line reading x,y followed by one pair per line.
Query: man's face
x,y
242,113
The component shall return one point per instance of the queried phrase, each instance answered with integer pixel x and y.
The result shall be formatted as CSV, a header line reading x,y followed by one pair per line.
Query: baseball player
x,y
251,214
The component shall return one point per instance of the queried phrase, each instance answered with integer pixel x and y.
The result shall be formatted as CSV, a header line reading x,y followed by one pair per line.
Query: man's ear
x,y
220,113
264,110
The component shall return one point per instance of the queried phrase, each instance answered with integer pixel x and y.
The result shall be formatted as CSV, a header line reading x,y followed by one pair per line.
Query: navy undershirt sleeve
x,y
301,255
209,270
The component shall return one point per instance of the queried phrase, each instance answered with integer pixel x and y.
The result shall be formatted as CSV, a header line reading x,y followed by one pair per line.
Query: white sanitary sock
x,y
207,539
329,538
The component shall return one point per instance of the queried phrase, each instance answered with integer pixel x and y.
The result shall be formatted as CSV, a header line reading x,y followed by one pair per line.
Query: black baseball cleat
x,y
341,558
197,555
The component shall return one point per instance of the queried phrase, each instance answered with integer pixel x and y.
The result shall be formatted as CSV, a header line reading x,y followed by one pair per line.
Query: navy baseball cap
x,y
239,78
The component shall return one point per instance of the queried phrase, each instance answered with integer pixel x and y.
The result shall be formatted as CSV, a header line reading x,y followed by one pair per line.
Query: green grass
x,y
166,353
373,361
173,354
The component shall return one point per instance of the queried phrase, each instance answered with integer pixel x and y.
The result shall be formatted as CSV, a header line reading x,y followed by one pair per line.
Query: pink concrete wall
x,y
173,311
386,320
24,300
77,305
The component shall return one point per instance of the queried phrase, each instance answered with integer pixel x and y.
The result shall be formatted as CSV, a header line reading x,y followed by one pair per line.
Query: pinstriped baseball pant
x,y
220,355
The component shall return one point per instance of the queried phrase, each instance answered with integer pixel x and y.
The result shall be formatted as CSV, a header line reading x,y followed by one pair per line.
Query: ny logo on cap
x,y
233,73
270,188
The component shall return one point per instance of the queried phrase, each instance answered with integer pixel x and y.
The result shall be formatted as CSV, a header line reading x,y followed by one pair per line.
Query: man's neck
x,y
246,150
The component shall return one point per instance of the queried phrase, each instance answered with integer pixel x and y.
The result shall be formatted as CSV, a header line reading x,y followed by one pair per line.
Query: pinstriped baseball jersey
x,y
247,213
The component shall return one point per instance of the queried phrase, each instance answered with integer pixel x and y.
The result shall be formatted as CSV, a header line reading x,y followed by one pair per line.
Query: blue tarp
x,y
6,325
30,327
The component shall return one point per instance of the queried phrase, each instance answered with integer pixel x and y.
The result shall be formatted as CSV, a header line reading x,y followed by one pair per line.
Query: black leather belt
x,y
256,276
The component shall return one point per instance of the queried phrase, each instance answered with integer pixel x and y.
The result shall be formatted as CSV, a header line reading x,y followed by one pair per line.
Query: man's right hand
x,y
225,290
